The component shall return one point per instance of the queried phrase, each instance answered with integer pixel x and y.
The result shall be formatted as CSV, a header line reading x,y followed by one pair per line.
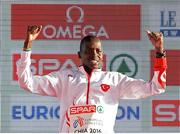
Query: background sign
x,y
166,112
127,65
167,19
69,22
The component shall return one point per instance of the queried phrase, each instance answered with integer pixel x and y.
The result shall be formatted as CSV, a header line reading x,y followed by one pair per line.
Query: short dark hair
x,y
87,39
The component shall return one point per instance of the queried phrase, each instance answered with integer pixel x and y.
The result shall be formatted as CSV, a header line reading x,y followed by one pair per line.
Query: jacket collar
x,y
81,69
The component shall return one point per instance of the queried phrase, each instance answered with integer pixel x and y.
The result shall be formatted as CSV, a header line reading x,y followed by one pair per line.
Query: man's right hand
x,y
31,35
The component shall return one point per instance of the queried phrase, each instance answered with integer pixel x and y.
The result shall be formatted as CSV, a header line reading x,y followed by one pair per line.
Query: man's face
x,y
92,55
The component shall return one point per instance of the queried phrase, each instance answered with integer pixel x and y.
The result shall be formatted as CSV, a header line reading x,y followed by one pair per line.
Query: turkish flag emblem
x,y
105,87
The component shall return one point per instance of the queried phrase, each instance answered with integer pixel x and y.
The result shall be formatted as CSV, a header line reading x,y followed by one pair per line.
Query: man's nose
x,y
94,53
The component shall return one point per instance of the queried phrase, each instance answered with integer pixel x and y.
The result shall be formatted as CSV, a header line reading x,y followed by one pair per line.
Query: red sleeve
x,y
160,65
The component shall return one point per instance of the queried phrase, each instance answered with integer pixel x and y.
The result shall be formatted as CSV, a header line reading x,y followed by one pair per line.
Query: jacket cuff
x,y
160,63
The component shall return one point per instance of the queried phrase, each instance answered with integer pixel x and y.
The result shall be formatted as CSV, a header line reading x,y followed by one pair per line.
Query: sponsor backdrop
x,y
121,25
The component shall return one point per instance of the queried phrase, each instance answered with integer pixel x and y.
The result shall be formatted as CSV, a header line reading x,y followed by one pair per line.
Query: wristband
x,y
27,49
160,55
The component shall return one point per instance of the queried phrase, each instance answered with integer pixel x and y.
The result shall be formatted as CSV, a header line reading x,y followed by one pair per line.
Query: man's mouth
x,y
94,61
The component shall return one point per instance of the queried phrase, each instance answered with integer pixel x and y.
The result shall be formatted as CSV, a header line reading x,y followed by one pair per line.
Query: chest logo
x,y
105,87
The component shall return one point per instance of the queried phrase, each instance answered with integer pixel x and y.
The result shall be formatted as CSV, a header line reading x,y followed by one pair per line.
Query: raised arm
x,y
44,85
136,88
160,64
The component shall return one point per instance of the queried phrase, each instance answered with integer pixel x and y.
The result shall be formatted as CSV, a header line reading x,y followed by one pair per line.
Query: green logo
x,y
124,64
100,109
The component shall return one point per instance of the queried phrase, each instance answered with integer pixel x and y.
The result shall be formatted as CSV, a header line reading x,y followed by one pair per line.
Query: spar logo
x,y
78,122
82,109
72,22
74,28
100,109
124,64
166,112
42,64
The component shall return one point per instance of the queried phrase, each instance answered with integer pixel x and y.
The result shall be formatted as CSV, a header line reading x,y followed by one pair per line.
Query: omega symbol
x,y
69,17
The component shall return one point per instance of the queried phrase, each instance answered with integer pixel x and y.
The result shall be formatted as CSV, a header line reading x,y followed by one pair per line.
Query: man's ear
x,y
79,54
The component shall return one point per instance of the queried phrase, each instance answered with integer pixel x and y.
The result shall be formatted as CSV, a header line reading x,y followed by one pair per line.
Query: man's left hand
x,y
156,39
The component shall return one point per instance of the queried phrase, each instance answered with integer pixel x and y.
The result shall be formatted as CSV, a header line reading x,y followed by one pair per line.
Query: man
x,y
88,96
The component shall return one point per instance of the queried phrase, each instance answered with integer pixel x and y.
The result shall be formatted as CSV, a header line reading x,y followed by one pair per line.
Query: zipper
x,y
88,87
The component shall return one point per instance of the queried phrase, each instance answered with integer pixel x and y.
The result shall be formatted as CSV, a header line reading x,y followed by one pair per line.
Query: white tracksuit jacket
x,y
89,103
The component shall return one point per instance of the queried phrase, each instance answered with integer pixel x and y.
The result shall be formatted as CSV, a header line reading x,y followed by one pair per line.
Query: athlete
x,y
89,97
